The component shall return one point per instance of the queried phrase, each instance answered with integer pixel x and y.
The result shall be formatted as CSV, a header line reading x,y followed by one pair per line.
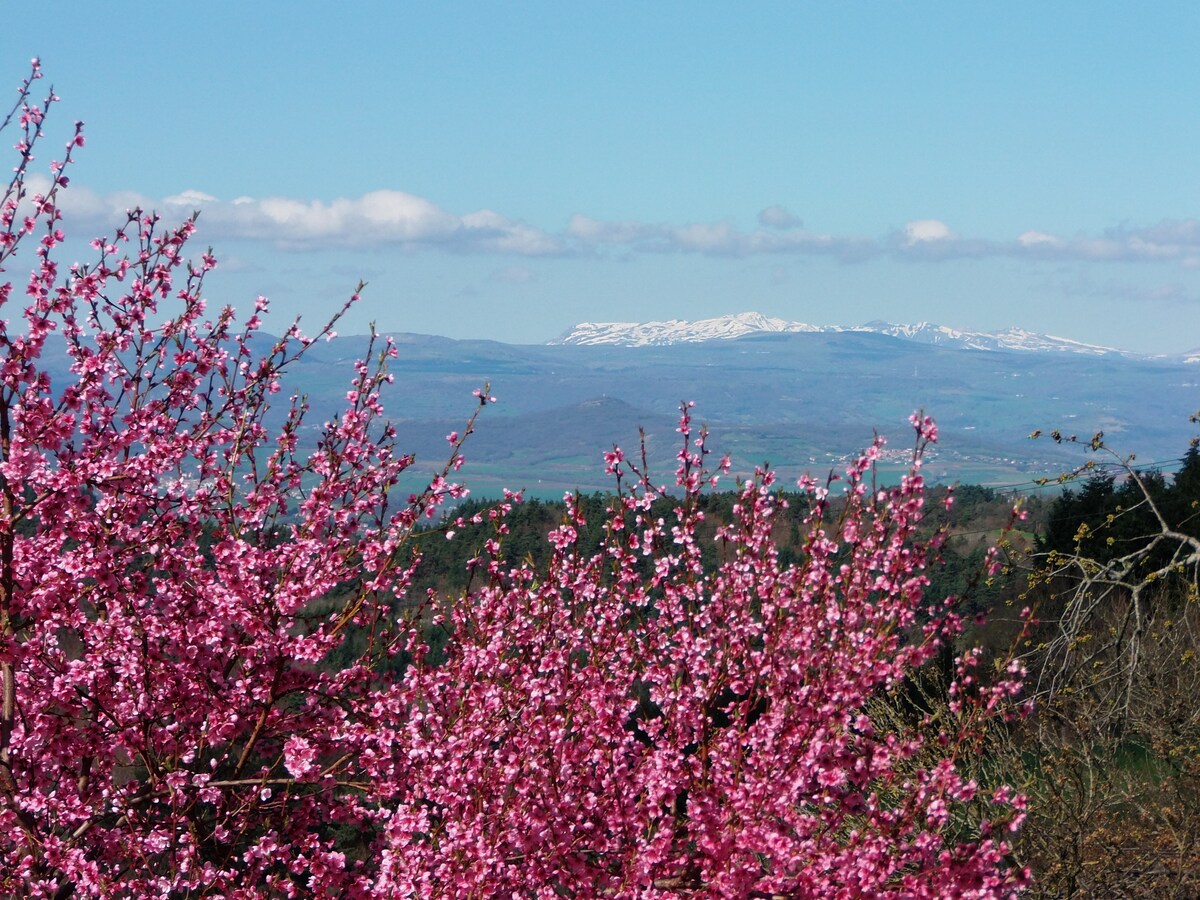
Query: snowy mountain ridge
x,y
677,331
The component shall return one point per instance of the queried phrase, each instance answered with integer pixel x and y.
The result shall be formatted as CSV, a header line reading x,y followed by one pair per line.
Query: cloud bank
x,y
391,218
376,219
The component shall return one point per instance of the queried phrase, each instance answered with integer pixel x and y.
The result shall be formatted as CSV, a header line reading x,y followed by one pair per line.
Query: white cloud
x,y
394,218
1169,241
778,217
715,239
377,218
189,198
1036,238
921,231
594,231
489,230
708,238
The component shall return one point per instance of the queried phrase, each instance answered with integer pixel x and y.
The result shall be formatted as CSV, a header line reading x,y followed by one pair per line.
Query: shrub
x,y
176,577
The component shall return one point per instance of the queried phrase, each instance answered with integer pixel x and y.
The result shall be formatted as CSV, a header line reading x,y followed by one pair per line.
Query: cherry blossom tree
x,y
180,584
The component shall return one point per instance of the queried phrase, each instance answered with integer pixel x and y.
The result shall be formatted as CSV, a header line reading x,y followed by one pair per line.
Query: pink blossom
x,y
221,678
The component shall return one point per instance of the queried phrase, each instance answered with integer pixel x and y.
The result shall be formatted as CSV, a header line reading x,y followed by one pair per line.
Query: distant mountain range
x,y
801,399
678,331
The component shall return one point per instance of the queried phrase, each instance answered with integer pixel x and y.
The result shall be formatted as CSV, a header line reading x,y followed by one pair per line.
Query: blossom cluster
x,y
213,678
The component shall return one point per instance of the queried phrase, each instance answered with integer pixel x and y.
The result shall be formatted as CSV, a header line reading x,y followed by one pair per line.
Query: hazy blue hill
x,y
799,400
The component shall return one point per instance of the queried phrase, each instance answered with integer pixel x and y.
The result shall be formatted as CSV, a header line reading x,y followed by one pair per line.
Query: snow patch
x,y
680,331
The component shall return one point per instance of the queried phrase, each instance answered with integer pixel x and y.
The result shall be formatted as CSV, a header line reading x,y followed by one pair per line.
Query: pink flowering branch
x,y
213,678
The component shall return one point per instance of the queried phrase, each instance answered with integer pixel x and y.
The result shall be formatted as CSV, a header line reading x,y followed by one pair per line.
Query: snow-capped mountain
x,y
678,331
1007,339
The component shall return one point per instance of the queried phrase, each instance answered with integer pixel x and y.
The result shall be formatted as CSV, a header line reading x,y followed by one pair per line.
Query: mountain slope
x,y
798,400
675,331
678,331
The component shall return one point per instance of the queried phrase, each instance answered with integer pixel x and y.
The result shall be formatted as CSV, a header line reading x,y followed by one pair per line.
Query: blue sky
x,y
506,170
